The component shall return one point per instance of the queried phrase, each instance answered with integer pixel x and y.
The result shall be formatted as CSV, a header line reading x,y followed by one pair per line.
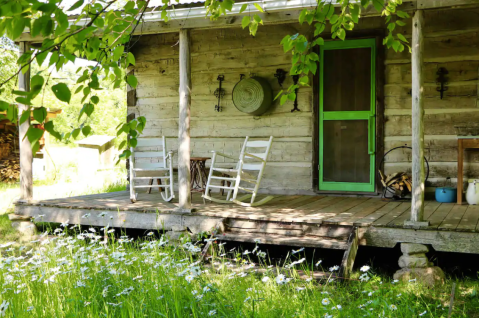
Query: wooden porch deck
x,y
289,220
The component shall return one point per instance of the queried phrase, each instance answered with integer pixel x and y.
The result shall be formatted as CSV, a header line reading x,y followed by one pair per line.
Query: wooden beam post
x,y
26,155
184,193
418,170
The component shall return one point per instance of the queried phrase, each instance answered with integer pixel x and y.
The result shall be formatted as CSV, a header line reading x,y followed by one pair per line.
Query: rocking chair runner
x,y
254,162
163,169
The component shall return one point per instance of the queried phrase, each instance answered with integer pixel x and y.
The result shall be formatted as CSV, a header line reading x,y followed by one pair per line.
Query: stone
x,y
412,261
413,248
178,228
26,228
429,276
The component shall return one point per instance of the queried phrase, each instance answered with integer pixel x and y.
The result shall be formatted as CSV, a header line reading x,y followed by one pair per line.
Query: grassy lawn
x,y
79,276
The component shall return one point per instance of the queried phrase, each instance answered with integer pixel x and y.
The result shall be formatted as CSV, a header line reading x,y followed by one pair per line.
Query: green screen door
x,y
347,116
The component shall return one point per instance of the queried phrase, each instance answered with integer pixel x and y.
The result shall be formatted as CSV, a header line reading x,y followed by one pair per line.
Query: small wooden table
x,y
198,173
463,142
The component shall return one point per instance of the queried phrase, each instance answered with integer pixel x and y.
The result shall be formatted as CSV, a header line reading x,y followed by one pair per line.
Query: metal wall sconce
x,y
295,80
442,81
219,93
281,76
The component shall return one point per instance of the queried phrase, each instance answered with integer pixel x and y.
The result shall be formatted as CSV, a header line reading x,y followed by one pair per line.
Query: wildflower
x,y
318,263
412,280
309,279
265,279
297,251
150,234
30,308
326,315
249,289
206,289
189,278
102,214
86,303
246,252
325,301
65,224
87,215
395,281
365,268
281,279
247,298
194,292
261,254
334,268
393,307
212,312
338,307
300,288
3,308
92,230
422,314
257,241
80,284
199,297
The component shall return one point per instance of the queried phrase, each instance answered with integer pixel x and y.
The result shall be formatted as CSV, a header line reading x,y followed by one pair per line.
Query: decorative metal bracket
x,y
295,80
442,81
219,93
281,76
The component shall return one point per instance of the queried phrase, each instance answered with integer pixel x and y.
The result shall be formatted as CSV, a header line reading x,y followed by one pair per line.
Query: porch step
x,y
275,239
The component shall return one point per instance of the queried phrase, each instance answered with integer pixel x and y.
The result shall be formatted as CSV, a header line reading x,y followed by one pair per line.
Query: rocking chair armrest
x,y
223,155
253,156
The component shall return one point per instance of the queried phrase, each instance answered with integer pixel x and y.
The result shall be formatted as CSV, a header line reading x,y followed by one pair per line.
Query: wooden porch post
x,y
184,193
418,171
26,155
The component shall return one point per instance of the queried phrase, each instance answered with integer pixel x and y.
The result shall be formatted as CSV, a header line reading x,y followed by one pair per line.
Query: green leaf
x,y
35,147
75,133
95,99
47,27
400,23
122,144
283,100
34,134
40,114
25,116
76,5
391,26
402,38
118,52
341,34
279,94
133,142
18,25
302,16
328,10
258,7
301,46
355,12
379,5
132,81
36,85
49,127
62,92
86,130
243,7
245,22
62,20
130,58
41,57
334,19
227,4
303,80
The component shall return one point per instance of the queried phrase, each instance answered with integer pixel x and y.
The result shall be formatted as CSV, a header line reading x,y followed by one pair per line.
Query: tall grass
x,y
83,276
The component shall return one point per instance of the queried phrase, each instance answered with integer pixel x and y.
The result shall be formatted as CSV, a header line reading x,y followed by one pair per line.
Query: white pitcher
x,y
472,194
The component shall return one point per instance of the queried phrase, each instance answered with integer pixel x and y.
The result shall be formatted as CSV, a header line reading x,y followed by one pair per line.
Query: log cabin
x,y
329,144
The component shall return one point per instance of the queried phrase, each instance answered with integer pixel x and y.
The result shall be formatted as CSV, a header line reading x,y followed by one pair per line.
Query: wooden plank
x,y
26,155
470,220
184,177
429,208
453,218
349,213
438,216
371,207
393,214
368,220
349,256
303,241
418,169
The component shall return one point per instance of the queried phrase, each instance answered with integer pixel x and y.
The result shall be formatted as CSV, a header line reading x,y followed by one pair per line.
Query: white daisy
x,y
365,269
393,307
325,301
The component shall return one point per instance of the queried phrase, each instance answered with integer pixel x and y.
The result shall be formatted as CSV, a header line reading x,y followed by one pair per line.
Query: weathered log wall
x,y
451,41
228,52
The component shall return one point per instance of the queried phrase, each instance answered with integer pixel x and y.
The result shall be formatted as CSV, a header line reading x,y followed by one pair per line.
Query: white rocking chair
x,y
162,167
256,161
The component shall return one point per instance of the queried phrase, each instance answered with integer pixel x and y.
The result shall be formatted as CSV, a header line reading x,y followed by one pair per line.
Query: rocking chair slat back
x,y
154,158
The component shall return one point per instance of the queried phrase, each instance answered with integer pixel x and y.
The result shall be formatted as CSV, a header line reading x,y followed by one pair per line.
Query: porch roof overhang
x,y
193,15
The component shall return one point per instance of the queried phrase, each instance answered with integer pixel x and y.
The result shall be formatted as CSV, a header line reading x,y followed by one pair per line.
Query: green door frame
x,y
349,115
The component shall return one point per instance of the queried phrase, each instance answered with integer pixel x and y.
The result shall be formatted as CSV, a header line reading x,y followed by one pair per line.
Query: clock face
x,y
252,95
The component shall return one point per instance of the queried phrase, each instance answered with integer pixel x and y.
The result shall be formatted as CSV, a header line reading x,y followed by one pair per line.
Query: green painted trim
x,y
349,115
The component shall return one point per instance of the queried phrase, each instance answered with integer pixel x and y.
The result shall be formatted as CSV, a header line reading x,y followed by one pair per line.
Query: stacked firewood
x,y
400,181
9,160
